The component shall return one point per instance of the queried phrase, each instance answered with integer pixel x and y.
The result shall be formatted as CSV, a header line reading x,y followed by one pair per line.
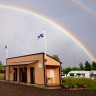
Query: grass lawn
x,y
92,87
1,76
88,83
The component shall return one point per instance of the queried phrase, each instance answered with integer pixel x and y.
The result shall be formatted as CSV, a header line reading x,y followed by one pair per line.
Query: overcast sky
x,y
20,30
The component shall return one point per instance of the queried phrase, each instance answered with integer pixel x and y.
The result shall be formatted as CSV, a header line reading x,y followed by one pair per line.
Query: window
x,y
94,75
83,74
71,74
51,72
78,74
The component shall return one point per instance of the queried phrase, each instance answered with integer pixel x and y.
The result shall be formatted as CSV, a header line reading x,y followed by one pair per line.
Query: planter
x,y
3,71
23,71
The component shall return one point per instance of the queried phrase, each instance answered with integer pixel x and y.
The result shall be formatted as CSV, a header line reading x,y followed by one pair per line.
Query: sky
x,y
20,30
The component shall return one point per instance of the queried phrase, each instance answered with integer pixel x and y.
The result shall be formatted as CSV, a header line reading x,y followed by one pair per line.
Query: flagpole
x,y
6,49
45,44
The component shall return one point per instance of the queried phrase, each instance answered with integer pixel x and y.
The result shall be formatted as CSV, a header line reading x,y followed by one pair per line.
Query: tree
x,y
81,66
56,57
1,66
93,65
87,66
61,69
66,70
75,69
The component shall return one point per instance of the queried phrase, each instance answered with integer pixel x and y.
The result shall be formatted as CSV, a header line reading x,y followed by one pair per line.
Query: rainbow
x,y
52,23
84,7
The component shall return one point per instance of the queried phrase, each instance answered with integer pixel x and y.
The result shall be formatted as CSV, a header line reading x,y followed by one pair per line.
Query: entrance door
x,y
23,76
32,76
15,74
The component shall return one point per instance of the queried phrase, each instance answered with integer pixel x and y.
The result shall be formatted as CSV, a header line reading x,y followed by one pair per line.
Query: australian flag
x,y
41,36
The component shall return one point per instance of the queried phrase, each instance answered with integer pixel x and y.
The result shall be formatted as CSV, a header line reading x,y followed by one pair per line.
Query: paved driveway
x,y
10,89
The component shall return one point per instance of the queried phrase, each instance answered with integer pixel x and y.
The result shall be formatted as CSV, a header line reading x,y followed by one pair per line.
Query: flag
x,y
41,36
6,47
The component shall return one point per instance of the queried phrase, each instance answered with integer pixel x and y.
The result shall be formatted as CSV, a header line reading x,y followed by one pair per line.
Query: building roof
x,y
22,63
79,71
35,54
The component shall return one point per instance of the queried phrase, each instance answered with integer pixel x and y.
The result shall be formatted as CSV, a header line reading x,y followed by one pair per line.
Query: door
x,y
32,75
15,74
23,76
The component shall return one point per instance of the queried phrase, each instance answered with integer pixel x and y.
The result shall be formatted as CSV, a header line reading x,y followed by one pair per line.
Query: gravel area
x,y
11,89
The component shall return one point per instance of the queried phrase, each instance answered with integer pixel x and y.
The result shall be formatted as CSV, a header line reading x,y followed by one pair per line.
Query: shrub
x,y
86,82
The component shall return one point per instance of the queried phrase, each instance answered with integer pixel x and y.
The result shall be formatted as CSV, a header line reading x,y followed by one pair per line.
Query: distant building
x,y
33,69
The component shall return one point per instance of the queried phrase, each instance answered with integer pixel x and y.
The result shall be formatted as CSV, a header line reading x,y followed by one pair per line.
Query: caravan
x,y
86,74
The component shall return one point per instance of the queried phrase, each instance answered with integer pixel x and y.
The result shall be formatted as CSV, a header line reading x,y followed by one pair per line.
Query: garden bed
x,y
74,87
73,83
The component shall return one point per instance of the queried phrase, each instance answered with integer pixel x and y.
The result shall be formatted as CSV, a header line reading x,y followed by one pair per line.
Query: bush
x,y
86,82
1,76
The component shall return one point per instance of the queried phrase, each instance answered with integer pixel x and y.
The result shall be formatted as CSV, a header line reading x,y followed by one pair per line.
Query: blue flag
x,y
41,36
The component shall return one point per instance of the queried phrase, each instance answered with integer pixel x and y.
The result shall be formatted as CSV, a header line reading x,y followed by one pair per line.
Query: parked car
x,y
64,75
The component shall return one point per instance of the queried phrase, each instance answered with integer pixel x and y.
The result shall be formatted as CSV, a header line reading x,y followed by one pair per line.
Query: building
x,y
34,69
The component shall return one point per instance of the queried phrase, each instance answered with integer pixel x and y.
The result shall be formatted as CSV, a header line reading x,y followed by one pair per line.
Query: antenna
x,y
74,59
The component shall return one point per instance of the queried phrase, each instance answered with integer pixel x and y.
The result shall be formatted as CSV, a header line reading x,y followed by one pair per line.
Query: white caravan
x,y
86,74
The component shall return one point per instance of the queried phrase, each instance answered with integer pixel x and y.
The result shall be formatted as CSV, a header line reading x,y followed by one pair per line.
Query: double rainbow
x,y
85,7
52,23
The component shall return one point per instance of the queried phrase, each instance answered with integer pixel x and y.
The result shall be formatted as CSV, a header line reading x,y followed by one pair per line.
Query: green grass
x,y
90,84
1,76
92,87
